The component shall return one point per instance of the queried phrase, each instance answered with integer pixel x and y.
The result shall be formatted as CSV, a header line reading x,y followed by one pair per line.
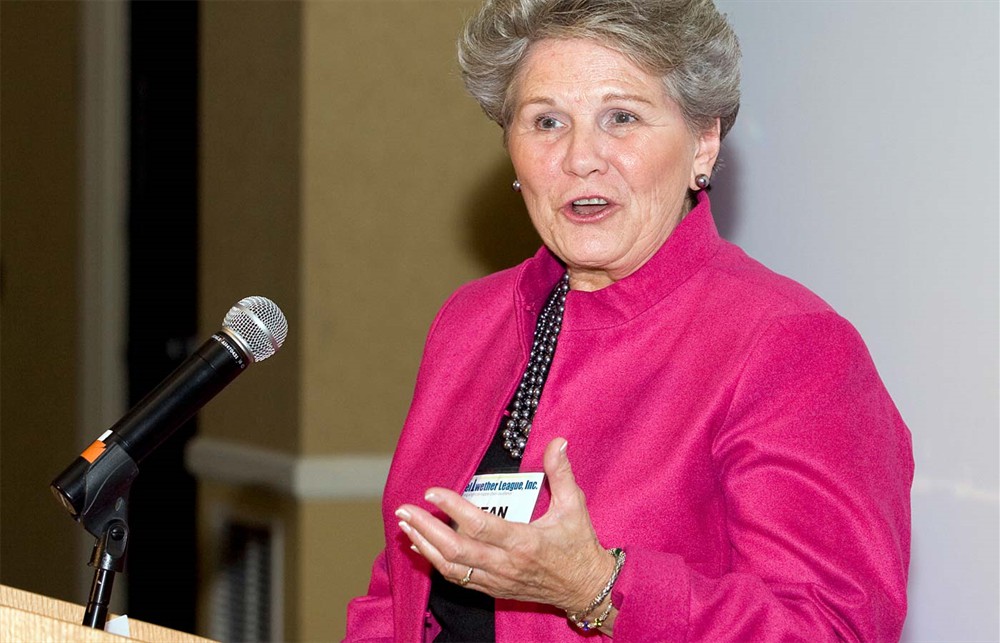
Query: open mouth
x,y
588,207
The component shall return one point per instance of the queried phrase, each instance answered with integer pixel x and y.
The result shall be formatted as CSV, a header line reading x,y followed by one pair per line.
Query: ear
x,y
706,152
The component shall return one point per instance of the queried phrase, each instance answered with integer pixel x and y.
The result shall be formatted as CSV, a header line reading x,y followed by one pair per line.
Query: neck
x,y
588,280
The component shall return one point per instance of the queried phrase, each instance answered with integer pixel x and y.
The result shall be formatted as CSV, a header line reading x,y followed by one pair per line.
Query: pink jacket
x,y
728,428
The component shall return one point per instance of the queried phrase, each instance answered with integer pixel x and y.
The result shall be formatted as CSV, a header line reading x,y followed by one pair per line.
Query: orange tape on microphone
x,y
94,451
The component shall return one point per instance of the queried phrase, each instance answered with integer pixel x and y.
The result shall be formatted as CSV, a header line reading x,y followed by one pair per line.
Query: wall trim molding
x,y
327,477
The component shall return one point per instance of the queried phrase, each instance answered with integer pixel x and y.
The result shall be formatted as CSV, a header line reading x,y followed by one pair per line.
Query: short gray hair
x,y
686,42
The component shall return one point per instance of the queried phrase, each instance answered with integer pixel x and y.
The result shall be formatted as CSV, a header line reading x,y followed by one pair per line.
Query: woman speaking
x,y
721,460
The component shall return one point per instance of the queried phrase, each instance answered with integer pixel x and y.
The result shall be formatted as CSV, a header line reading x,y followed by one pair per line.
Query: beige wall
x,y
38,293
250,220
344,174
398,165
347,176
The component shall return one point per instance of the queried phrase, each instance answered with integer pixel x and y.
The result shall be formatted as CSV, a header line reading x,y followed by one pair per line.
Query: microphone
x,y
252,330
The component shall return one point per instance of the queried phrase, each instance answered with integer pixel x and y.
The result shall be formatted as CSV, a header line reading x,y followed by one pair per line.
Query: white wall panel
x,y
864,164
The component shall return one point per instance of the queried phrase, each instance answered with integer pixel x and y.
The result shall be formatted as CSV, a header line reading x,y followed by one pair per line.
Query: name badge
x,y
511,496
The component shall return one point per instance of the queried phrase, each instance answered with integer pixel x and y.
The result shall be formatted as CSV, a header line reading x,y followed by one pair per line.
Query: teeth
x,y
594,201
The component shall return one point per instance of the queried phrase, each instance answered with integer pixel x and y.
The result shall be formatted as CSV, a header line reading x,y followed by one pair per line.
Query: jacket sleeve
x,y
369,617
815,465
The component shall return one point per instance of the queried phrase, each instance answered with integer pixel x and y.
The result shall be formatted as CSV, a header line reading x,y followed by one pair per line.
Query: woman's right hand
x,y
555,560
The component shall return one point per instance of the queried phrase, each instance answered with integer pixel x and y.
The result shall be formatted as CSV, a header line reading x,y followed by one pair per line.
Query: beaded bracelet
x,y
580,618
599,621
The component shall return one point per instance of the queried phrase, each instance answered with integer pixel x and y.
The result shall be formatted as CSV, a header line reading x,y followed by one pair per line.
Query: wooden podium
x,y
33,618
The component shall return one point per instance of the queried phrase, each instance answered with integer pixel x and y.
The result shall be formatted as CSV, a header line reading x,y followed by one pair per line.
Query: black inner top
x,y
465,614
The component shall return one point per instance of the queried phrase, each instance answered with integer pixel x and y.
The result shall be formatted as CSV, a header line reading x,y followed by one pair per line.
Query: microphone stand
x,y
96,494
108,558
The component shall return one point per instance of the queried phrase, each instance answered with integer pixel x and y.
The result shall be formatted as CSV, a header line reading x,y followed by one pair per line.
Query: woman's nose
x,y
584,153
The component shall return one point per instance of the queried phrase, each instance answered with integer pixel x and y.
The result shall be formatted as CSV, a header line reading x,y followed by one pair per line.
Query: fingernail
x,y
405,527
414,548
565,444
431,497
403,514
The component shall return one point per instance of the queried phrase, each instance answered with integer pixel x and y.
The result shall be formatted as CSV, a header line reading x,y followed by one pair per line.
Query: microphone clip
x,y
96,493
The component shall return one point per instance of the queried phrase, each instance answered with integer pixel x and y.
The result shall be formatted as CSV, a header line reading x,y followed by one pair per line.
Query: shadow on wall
x,y
498,231
726,190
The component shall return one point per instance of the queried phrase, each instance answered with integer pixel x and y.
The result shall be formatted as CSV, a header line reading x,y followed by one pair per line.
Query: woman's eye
x,y
623,118
547,122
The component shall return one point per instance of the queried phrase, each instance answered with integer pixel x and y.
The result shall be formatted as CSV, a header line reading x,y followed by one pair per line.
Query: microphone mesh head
x,y
260,324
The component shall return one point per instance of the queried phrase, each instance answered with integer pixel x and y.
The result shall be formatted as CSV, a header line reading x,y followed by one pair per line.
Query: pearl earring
x,y
701,181
516,185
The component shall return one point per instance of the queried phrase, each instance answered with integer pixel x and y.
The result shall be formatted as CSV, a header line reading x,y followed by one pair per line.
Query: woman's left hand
x,y
556,560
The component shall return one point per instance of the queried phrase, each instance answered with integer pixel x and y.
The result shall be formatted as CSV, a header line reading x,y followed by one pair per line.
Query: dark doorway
x,y
163,297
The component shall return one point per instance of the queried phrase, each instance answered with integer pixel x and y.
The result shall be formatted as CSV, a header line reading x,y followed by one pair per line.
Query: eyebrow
x,y
632,98
538,101
607,98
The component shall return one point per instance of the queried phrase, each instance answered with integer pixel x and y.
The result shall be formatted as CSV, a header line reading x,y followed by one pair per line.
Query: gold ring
x,y
468,577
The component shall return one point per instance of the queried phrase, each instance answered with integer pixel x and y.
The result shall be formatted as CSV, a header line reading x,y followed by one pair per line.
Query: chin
x,y
591,264
594,256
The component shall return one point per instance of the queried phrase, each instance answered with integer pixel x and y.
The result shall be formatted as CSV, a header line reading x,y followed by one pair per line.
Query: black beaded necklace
x,y
530,389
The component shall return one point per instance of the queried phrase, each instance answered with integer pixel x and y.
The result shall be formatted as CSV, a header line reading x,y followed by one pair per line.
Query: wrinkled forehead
x,y
554,61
